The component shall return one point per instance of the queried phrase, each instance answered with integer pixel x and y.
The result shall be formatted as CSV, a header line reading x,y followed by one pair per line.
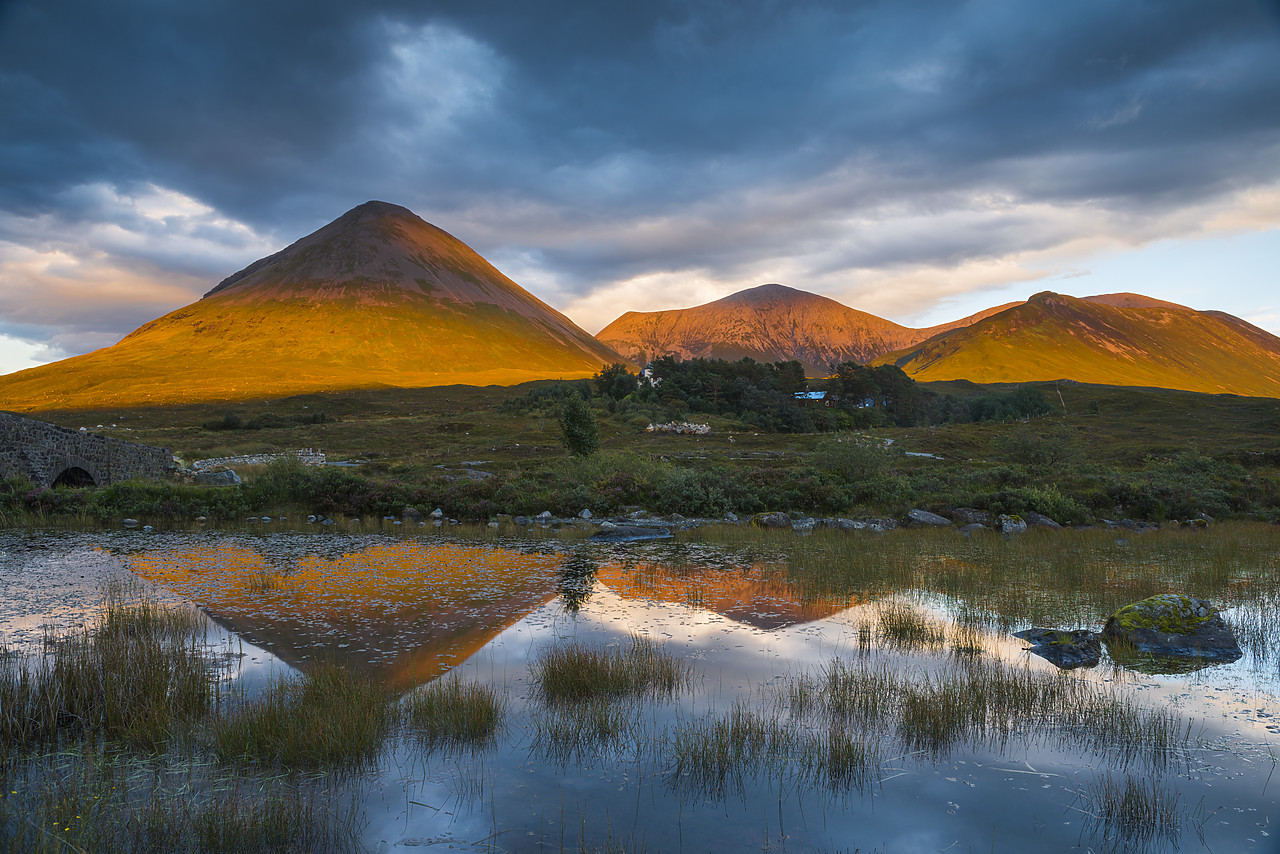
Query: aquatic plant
x,y
1132,810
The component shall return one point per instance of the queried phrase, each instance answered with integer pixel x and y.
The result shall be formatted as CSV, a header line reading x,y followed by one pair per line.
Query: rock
x,y
874,523
731,517
1066,649
411,514
200,520
522,520
221,476
1039,520
676,517
638,514
585,514
1172,625
266,518
147,529
607,525
1011,524
544,517
629,534
437,513
843,524
311,519
973,528
804,526
493,524
924,519
970,516
771,520
326,521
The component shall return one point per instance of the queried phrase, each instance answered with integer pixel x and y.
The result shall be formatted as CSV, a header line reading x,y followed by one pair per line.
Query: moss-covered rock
x,y
1172,625
771,520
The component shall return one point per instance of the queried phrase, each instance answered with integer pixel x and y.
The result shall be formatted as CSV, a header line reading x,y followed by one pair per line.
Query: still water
x,y
406,610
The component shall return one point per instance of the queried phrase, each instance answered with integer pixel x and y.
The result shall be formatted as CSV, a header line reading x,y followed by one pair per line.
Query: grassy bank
x,y
1102,452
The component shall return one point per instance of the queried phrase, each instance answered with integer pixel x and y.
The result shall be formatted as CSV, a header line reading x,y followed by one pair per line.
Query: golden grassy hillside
x,y
1118,339
377,298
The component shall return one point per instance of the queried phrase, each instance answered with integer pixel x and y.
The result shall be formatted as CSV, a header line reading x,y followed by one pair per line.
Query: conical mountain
x,y
376,298
1111,339
769,323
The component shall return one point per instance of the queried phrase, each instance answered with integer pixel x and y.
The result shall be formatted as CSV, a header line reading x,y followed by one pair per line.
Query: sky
x,y
917,160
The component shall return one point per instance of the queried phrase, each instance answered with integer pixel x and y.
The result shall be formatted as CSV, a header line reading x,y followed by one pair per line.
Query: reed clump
x,y
573,672
449,711
717,754
1134,811
326,717
576,732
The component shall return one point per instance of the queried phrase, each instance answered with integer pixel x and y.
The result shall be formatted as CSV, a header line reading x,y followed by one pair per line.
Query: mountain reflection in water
x,y
407,611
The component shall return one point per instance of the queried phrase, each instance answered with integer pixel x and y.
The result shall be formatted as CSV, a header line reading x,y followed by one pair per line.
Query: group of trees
x,y
763,395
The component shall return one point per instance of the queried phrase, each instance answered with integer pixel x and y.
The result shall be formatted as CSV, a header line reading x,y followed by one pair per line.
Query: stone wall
x,y
41,452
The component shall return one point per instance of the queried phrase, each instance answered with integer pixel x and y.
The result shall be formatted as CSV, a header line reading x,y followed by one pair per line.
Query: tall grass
x,y
93,799
572,672
140,674
327,717
582,730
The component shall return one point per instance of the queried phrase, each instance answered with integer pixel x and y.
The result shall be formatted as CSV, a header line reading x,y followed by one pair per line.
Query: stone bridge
x,y
49,455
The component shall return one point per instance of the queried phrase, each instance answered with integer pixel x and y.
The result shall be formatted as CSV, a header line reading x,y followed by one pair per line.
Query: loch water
x,y
408,608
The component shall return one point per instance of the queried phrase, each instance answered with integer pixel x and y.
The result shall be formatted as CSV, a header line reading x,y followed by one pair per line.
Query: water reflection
x,y
404,611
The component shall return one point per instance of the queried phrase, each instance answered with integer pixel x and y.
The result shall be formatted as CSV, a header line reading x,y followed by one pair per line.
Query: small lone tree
x,y
578,428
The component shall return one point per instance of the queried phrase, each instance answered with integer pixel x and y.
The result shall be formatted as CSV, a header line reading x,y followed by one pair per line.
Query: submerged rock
x,y
629,534
1066,649
1171,625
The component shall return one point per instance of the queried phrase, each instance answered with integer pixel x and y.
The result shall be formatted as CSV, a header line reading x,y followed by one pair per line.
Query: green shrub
x,y
578,428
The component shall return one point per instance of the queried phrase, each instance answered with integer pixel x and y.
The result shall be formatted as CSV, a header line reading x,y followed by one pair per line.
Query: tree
x,y
578,428
615,381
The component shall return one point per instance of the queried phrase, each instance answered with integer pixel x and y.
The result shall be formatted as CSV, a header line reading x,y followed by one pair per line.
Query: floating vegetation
x,y
572,672
449,711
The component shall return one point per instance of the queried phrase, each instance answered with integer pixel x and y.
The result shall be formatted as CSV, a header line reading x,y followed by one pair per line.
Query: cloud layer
x,y
623,156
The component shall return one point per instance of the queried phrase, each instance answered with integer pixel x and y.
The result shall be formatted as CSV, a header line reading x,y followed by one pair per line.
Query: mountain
x,y
376,298
1112,339
770,323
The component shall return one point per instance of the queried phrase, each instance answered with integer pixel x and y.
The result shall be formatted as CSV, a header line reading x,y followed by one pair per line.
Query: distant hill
x,y
376,298
1112,339
769,323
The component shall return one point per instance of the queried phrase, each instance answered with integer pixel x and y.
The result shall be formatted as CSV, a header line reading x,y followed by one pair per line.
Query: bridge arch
x,y
74,470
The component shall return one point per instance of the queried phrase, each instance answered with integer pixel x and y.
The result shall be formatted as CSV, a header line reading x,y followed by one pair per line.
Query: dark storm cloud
x,y
591,143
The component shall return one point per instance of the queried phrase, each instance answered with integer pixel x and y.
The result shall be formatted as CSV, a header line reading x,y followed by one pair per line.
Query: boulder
x,y
543,517
522,520
1039,520
731,517
1172,625
411,514
1011,524
437,513
843,524
804,525
1067,649
973,528
585,514
970,516
925,519
221,476
771,520
874,523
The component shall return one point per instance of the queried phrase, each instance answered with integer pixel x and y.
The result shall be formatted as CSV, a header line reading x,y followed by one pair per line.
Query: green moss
x,y
1170,613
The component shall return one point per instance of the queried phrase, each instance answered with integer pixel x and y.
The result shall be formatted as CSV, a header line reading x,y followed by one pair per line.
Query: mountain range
x,y
380,298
